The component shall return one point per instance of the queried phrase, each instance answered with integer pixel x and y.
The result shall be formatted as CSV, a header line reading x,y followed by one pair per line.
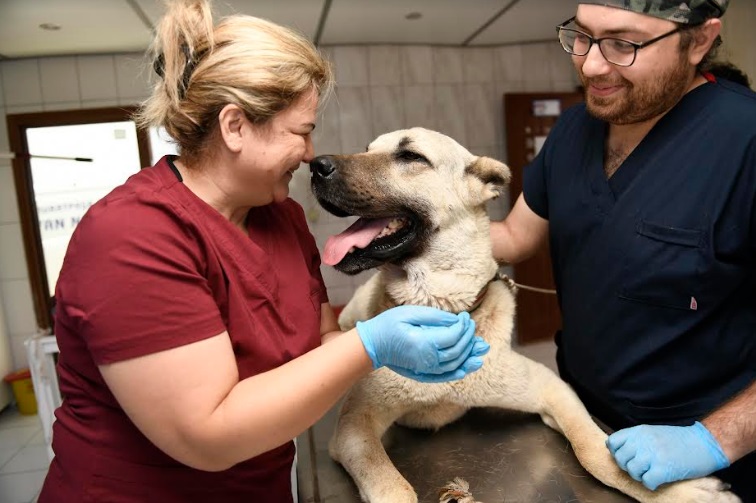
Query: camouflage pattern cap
x,y
686,12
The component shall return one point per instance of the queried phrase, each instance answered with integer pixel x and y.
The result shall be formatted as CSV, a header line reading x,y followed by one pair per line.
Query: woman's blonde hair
x,y
255,64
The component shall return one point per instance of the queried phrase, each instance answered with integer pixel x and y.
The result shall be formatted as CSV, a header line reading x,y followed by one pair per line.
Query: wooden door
x,y
529,118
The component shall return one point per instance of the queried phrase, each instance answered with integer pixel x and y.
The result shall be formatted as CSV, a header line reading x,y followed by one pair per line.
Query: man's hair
x,y
688,35
727,70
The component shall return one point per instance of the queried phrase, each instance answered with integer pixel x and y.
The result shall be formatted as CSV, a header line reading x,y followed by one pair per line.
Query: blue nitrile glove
x,y
470,365
656,455
421,340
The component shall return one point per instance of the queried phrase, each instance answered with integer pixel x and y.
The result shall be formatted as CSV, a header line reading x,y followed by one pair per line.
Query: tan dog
x,y
424,225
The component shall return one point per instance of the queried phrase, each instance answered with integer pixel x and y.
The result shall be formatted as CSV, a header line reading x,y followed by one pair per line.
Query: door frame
x,y
22,177
539,316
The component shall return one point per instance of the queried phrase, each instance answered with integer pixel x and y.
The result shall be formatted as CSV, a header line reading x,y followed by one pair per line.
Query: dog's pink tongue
x,y
358,235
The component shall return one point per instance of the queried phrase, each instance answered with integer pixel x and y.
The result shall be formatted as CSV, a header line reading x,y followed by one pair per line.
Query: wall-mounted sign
x,y
546,108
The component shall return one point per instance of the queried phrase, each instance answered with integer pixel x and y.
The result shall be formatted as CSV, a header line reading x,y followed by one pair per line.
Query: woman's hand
x,y
423,343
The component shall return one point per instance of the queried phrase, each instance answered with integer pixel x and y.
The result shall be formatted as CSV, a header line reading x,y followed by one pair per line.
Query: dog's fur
x,y
443,259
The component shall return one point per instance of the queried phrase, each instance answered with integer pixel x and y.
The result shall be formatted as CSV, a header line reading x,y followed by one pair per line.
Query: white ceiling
x,y
107,26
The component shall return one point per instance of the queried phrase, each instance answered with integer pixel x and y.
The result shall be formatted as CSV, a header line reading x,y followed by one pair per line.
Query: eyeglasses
x,y
615,50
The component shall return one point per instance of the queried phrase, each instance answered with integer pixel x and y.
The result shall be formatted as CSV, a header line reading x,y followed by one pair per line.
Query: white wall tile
x,y
388,108
327,53
107,103
8,202
447,65
420,106
417,64
2,88
21,82
60,79
19,307
128,102
355,117
4,141
385,65
339,296
563,86
326,137
361,278
508,63
480,114
561,65
12,257
539,63
97,77
299,186
132,77
450,107
18,350
351,63
63,105
498,208
511,87
478,65
334,279
24,109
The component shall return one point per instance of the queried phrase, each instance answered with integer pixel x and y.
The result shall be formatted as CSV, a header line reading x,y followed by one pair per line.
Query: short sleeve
x,y
534,187
133,281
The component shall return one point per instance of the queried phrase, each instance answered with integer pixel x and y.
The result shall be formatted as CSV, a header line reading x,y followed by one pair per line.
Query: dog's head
x,y
407,186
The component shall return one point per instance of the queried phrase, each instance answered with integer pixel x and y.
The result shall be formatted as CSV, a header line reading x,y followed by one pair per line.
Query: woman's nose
x,y
309,153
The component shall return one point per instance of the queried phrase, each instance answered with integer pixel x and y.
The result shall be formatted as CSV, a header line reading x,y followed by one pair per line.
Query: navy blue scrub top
x,y
655,267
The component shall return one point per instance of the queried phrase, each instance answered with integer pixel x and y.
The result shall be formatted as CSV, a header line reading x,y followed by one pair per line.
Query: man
x,y
647,195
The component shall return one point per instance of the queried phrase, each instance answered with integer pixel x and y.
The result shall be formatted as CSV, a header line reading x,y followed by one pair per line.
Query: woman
x,y
191,309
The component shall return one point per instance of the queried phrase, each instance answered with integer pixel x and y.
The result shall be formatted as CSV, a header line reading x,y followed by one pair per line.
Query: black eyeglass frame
x,y
591,40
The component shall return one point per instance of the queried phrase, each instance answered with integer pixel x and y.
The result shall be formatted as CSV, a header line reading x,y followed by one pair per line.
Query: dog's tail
x,y
456,491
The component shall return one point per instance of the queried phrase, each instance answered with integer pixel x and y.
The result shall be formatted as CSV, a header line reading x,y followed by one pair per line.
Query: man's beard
x,y
641,102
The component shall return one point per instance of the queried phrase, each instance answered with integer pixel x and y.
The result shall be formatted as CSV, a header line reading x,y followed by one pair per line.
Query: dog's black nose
x,y
322,166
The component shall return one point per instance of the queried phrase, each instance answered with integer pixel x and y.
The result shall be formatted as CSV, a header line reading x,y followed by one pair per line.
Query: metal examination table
x,y
507,457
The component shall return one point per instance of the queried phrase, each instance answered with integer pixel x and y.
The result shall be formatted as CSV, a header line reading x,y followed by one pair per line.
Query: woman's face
x,y
273,151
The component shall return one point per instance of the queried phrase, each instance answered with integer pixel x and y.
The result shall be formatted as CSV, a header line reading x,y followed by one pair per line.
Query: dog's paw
x,y
703,490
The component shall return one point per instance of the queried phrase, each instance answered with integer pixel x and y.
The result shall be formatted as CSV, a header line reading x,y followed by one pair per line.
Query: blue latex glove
x,y
418,341
471,364
656,455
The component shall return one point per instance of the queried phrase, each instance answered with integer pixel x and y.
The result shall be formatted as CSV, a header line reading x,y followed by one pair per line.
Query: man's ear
x,y
703,38
231,120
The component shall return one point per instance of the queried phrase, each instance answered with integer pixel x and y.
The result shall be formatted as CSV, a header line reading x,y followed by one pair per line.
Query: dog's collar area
x,y
482,294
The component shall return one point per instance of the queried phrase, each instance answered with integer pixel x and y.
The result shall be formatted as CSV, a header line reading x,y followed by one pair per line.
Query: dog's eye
x,y
409,156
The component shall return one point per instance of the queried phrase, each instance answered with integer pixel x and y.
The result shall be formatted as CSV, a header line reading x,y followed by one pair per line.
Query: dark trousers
x,y
741,475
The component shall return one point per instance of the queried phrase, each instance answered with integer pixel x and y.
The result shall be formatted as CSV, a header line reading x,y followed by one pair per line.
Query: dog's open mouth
x,y
379,238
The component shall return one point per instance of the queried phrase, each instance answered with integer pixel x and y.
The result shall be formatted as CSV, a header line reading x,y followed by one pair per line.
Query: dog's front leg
x,y
562,409
356,445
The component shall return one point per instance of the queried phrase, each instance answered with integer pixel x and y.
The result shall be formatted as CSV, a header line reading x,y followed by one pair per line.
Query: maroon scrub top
x,y
152,267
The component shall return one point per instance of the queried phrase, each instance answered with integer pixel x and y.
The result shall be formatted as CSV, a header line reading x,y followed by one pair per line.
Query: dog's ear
x,y
494,174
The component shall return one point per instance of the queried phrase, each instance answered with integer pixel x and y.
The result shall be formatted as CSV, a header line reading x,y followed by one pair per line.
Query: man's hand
x,y
656,455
